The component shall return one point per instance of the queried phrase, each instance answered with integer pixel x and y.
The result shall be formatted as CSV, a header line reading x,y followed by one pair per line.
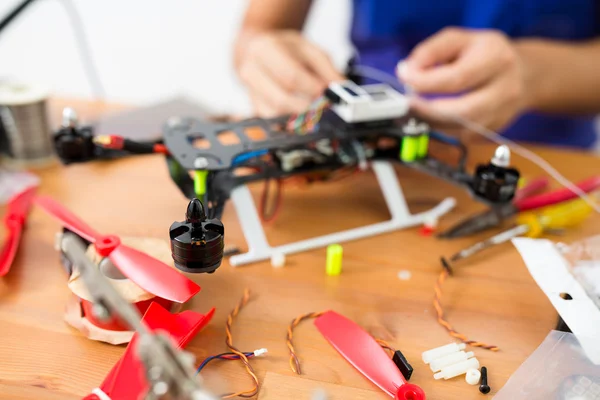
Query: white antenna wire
x,y
382,76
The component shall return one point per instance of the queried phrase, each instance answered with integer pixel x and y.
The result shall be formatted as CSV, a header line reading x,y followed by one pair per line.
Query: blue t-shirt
x,y
385,31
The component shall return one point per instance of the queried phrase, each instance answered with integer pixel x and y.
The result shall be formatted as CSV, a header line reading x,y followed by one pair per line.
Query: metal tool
x,y
531,224
169,371
524,201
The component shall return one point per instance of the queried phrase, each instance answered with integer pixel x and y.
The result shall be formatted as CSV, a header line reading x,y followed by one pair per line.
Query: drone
x,y
350,128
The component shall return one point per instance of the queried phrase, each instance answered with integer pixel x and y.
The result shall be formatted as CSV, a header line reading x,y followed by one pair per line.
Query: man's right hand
x,y
283,71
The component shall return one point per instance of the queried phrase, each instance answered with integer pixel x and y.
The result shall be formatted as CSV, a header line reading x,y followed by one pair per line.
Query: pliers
x,y
525,200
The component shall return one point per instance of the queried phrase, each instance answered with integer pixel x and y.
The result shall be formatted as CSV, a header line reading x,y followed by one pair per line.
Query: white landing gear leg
x,y
260,250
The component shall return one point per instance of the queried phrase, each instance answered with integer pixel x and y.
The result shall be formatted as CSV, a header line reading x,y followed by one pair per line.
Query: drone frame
x,y
216,163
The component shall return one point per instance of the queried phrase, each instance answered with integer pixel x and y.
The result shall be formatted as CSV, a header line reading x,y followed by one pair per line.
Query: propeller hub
x,y
106,244
195,213
408,391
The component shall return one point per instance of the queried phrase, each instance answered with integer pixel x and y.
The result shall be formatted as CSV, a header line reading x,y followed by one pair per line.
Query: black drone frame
x,y
222,160
221,169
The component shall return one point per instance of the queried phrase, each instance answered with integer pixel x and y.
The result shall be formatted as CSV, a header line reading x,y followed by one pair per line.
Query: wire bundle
x,y
242,356
308,121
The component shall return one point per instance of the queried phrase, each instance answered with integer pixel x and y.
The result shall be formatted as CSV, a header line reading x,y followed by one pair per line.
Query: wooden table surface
x,y
492,297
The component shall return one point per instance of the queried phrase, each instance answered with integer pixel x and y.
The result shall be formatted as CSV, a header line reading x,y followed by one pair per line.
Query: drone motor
x,y
72,143
496,181
197,243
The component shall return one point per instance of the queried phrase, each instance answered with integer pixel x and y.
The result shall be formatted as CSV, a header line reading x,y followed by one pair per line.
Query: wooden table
x,y
491,298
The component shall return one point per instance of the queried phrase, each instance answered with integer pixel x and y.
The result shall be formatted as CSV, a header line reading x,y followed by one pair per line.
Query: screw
x,y
484,388
501,156
69,118
200,163
160,388
100,312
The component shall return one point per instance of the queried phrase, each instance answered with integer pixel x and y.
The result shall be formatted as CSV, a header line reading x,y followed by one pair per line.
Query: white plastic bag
x,y
558,369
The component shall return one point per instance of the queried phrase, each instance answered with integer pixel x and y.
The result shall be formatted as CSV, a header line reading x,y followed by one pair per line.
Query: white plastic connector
x,y
457,369
473,376
430,355
260,352
439,363
277,260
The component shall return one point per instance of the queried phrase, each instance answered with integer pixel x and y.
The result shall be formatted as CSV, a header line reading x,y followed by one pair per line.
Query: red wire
x,y
263,201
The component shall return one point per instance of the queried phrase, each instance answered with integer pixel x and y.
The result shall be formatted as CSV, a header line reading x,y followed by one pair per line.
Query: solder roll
x,y
24,123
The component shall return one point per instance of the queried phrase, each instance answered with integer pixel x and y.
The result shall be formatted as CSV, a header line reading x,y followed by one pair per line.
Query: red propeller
x,y
366,355
18,208
147,272
127,379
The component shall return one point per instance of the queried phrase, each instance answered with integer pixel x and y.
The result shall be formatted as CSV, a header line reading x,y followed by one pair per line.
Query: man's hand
x,y
283,71
481,69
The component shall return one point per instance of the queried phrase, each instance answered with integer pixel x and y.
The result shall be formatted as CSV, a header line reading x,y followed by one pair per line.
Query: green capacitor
x,y
200,182
423,146
410,147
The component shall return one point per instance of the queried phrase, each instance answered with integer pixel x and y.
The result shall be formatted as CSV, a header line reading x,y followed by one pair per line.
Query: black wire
x,y
138,147
14,13
220,356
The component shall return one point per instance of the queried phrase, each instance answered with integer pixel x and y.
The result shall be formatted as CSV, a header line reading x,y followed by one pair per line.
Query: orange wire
x,y
294,362
233,349
441,319
385,345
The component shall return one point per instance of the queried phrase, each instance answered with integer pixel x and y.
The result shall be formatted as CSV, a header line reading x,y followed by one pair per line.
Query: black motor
x,y
197,243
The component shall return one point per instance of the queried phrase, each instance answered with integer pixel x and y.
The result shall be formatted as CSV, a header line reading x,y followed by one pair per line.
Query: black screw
x,y
484,388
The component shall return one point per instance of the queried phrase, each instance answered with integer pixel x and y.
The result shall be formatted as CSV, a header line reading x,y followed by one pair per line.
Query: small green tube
x,y
410,146
423,146
200,182
334,260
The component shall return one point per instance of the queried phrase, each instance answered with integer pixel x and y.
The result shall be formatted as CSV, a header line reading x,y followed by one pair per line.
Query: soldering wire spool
x,y
80,310
25,125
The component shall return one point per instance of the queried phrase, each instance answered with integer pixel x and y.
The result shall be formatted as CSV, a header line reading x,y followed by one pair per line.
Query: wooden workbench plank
x,y
278,386
492,297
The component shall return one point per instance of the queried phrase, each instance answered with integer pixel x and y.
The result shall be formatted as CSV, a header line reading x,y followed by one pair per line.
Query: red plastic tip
x,y
426,230
408,391
106,244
